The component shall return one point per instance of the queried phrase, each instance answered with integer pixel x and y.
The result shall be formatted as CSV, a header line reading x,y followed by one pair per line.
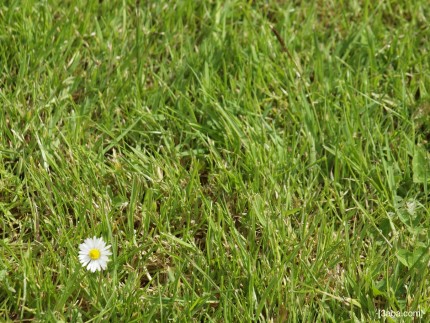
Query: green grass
x,y
247,160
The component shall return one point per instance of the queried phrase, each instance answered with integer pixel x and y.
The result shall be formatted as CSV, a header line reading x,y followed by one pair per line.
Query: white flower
x,y
94,254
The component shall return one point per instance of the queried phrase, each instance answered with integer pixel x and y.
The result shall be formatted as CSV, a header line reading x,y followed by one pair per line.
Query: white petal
x,y
85,263
84,251
102,244
104,258
83,258
98,265
91,267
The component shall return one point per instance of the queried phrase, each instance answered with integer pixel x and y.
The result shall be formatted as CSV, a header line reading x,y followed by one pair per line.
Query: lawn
x,y
246,160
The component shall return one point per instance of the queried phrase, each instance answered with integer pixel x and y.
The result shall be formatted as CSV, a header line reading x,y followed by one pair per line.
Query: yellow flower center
x,y
94,254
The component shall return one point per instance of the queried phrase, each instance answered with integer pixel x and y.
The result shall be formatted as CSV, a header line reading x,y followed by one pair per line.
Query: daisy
x,y
94,254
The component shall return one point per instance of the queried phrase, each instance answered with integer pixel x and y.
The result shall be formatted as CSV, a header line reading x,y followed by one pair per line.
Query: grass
x,y
247,161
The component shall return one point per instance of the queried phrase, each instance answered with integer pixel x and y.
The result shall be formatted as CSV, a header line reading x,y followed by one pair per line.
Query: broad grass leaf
x,y
409,259
420,166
